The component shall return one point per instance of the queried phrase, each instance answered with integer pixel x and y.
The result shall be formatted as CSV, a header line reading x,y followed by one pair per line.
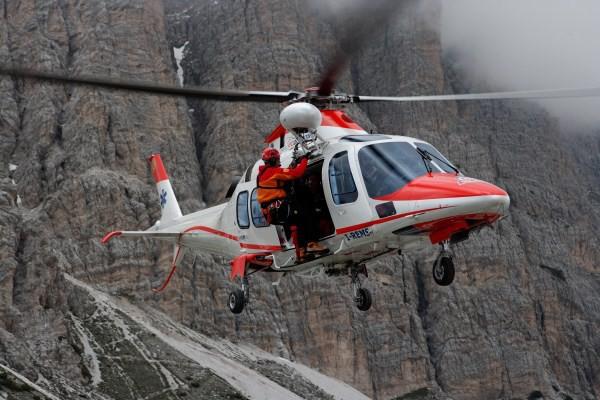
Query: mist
x,y
511,45
529,44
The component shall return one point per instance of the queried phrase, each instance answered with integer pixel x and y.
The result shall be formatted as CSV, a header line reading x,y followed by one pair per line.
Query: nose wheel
x,y
443,267
238,298
362,296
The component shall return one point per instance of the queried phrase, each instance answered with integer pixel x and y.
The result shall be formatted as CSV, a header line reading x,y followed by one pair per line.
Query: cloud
x,y
529,44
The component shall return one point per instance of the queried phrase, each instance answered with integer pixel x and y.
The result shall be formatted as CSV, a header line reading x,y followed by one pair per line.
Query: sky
x,y
529,44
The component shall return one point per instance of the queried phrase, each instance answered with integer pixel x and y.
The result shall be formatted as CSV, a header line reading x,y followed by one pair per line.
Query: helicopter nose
x,y
482,196
492,198
438,186
503,203
469,187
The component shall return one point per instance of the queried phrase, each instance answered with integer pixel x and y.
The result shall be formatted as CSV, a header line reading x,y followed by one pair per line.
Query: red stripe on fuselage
x,y
251,246
351,228
260,246
211,230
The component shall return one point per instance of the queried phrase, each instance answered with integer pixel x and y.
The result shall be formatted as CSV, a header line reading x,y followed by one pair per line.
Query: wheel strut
x,y
246,289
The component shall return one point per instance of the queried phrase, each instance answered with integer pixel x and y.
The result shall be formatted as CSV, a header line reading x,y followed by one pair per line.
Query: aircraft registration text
x,y
359,234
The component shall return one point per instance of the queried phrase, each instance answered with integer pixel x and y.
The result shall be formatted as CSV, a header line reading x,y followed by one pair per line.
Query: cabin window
x,y
342,184
243,219
388,167
258,219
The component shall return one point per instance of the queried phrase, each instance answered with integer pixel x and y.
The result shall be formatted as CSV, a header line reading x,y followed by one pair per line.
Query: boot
x,y
314,247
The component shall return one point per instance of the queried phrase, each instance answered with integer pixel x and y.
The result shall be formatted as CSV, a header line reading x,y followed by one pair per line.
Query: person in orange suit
x,y
280,208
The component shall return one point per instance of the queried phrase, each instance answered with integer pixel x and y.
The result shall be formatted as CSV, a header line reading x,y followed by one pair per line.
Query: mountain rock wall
x,y
520,318
73,165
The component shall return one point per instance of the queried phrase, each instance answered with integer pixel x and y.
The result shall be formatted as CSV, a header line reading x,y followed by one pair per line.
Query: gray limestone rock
x,y
520,320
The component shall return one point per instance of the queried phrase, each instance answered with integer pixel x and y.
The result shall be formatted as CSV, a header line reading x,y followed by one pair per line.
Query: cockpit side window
x,y
343,188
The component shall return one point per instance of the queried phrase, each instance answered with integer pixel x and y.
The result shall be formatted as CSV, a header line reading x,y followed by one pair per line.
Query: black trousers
x,y
302,214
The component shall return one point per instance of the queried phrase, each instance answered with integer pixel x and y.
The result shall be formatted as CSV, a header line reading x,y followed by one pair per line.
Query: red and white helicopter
x,y
375,194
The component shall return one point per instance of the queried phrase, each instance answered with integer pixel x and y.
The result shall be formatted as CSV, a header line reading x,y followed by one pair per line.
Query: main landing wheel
x,y
443,270
236,301
363,299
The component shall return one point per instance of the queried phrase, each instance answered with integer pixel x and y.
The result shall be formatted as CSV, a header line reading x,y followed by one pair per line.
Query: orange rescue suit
x,y
271,180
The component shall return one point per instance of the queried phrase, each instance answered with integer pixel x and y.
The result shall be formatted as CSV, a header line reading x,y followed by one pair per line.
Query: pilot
x,y
279,207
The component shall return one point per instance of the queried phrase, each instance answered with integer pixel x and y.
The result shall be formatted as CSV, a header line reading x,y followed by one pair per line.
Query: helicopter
x,y
377,194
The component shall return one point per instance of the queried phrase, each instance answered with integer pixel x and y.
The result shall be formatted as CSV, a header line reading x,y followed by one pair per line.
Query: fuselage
x,y
375,194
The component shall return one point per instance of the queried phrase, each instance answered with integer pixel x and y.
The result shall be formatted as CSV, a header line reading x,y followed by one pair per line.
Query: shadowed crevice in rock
x,y
554,271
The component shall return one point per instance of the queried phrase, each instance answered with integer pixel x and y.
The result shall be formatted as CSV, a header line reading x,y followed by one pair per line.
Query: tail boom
x,y
139,234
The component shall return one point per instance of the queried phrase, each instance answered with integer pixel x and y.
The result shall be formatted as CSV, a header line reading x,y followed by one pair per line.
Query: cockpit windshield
x,y
437,157
387,167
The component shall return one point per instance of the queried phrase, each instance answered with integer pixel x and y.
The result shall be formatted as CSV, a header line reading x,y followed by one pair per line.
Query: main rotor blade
x,y
367,19
153,88
525,94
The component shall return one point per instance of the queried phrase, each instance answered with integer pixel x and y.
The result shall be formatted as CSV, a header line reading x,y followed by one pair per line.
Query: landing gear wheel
x,y
443,270
236,301
363,299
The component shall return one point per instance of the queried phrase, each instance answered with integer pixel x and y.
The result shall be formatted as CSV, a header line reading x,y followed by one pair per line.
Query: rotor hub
x,y
311,95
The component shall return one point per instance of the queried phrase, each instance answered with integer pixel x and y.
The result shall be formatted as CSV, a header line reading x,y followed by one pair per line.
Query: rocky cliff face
x,y
520,321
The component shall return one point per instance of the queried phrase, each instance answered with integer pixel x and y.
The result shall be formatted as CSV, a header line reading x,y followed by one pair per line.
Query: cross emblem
x,y
163,198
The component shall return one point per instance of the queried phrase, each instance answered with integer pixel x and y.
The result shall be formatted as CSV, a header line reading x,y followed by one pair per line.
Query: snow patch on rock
x,y
171,380
178,53
11,169
90,356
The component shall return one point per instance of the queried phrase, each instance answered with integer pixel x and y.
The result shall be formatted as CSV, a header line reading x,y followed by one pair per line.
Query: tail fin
x,y
168,202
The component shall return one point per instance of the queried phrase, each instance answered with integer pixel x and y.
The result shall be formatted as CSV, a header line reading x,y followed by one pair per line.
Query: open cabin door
x,y
315,197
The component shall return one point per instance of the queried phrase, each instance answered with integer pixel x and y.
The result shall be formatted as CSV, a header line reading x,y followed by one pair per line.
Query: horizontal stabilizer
x,y
140,234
